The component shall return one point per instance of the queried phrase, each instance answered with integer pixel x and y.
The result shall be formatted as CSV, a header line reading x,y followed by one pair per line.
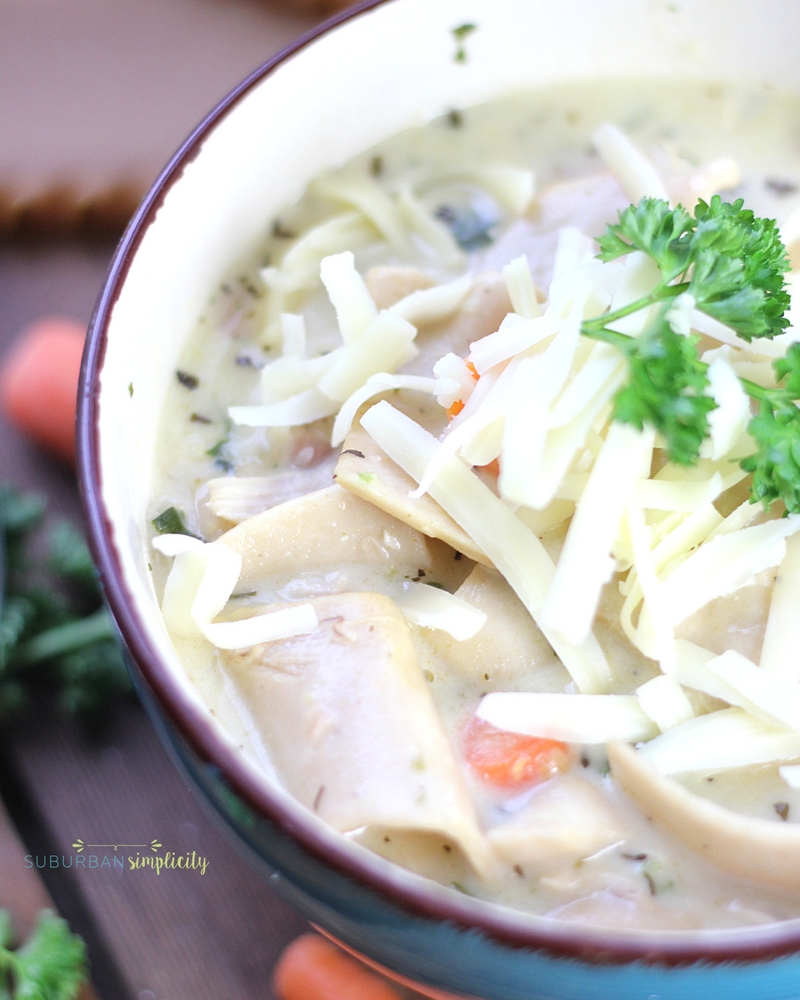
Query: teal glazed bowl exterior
x,y
384,66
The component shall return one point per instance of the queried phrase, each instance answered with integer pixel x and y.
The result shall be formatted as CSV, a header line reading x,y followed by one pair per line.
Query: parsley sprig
x,y
729,264
666,381
50,965
730,261
53,624
776,430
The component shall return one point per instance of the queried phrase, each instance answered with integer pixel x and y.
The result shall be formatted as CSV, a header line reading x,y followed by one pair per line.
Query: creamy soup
x,y
436,590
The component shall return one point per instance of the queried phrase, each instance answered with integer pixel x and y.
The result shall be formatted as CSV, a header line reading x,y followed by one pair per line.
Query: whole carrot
x,y
39,384
312,968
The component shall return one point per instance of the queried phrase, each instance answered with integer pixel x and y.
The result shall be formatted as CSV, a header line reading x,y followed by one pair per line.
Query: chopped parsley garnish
x,y
729,264
189,381
460,34
776,429
171,522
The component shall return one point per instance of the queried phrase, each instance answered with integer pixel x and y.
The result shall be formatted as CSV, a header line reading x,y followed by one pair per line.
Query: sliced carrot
x,y
312,968
39,384
454,409
512,760
493,467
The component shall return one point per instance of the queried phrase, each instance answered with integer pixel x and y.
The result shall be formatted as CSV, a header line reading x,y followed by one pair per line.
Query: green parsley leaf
x,y
788,368
170,522
775,465
661,232
731,262
665,389
739,263
460,33
730,265
51,965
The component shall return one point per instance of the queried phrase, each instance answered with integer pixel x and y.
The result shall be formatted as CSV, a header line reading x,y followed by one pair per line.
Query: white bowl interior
x,y
380,72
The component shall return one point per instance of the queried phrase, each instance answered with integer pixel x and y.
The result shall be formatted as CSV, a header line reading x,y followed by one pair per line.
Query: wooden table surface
x,y
170,936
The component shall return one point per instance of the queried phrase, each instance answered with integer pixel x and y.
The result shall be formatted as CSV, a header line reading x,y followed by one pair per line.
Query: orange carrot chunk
x,y
493,467
312,968
39,384
512,760
454,409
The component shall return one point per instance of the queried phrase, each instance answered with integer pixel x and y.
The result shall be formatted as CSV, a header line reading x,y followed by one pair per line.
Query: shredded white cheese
x,y
430,305
586,563
722,565
355,308
374,386
790,774
514,549
521,289
719,741
663,699
430,607
293,328
574,718
637,176
304,408
780,653
200,584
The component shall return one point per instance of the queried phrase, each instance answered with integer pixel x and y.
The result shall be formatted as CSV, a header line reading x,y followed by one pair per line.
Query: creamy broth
x,y
583,850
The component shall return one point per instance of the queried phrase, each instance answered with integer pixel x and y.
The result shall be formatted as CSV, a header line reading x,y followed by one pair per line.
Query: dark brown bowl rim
x,y
596,945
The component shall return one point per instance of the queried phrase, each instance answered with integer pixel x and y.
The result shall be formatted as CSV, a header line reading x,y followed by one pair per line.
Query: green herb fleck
x,y
730,265
130,389
189,381
460,34
366,477
171,522
280,232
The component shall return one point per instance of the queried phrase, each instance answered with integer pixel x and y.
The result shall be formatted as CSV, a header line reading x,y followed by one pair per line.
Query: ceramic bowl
x,y
380,68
